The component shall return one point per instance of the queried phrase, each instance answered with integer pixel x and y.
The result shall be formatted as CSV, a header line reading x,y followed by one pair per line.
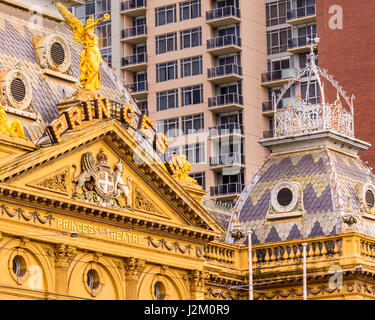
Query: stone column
x,y
133,268
197,281
63,255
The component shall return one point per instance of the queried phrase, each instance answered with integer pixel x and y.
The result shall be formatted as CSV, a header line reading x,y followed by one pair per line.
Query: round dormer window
x,y
370,199
284,196
58,53
17,90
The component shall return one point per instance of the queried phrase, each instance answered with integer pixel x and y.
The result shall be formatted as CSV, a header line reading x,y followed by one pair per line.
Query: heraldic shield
x,y
101,184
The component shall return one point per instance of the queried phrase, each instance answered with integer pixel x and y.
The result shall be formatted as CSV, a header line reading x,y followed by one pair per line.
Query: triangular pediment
x,y
103,166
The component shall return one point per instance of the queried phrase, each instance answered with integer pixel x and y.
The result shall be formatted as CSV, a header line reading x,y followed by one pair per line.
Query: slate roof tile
x,y
273,236
294,233
316,230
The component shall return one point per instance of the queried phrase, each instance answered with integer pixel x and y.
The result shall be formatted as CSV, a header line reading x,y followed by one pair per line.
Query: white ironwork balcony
x,y
312,118
305,118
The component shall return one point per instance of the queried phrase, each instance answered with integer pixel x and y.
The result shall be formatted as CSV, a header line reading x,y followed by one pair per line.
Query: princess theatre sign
x,y
104,109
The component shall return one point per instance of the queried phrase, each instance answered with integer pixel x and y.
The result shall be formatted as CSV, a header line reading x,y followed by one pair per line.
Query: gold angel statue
x,y
10,127
91,59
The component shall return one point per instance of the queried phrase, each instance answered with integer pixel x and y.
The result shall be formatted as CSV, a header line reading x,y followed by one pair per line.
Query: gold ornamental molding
x,y
56,182
62,251
32,216
81,210
133,266
219,294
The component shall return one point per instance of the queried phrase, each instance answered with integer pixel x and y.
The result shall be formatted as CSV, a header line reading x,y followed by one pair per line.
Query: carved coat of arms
x,y
100,183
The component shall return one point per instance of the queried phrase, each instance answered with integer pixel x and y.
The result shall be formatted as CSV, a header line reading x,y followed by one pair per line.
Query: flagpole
x,y
251,286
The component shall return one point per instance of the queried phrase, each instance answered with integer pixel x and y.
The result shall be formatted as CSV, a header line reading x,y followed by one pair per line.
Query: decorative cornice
x,y
13,193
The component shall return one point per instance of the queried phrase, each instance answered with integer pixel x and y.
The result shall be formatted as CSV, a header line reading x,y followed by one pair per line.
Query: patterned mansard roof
x,y
17,29
331,186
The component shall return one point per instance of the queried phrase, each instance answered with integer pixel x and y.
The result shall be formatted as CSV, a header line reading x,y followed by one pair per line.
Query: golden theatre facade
x,y
90,209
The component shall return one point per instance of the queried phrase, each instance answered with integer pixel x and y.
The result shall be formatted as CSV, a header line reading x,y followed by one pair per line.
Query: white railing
x,y
305,118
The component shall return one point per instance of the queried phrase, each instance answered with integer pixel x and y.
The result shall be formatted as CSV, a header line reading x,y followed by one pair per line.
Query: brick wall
x,y
349,55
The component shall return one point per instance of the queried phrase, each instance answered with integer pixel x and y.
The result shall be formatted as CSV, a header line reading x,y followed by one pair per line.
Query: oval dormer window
x,y
370,198
17,90
284,196
58,53
367,197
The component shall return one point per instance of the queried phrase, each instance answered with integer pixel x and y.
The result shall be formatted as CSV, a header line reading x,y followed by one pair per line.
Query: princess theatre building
x,y
89,210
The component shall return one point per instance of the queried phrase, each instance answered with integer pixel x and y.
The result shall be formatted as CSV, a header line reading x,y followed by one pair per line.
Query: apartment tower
x,y
194,67
290,27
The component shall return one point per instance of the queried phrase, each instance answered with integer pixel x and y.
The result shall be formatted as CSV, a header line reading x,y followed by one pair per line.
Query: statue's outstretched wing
x,y
74,24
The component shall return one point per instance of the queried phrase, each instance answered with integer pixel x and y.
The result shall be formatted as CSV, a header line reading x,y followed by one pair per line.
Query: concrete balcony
x,y
226,73
223,16
226,130
227,191
268,134
267,106
299,44
225,103
278,78
219,162
134,63
133,8
224,45
301,15
134,35
138,90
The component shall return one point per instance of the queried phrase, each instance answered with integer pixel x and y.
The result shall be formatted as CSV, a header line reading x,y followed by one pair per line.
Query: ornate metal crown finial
x,y
311,114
